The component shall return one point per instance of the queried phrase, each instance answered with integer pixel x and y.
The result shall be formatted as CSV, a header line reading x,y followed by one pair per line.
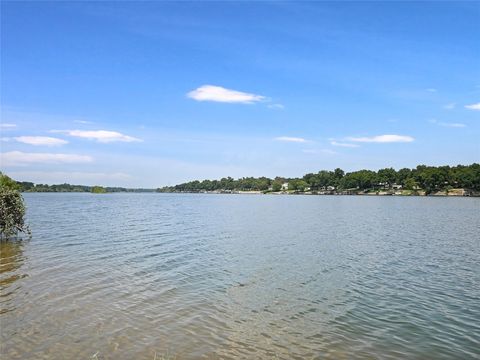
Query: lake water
x,y
190,276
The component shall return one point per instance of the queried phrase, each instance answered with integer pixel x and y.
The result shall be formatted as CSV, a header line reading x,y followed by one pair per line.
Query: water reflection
x,y
11,261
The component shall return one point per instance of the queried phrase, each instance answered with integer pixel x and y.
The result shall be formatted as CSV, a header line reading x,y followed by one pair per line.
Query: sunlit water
x,y
134,276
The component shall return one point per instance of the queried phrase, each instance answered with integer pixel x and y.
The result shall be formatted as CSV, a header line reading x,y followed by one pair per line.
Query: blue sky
x,y
157,93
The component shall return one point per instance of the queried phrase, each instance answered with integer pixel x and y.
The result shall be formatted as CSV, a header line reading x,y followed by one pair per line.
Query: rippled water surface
x,y
139,276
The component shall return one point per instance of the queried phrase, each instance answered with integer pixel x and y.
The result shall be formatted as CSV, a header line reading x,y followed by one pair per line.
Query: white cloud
x,y
450,106
8,126
103,136
290,139
14,158
444,124
432,90
41,140
319,151
82,122
473,106
276,106
383,139
452,125
220,94
335,143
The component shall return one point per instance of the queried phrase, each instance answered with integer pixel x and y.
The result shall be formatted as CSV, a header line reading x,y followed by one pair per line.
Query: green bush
x,y
12,209
12,213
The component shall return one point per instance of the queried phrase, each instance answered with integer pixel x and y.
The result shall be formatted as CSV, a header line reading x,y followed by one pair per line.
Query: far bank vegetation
x,y
422,180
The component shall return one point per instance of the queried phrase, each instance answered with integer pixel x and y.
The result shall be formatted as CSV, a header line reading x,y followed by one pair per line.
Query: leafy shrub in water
x,y
12,209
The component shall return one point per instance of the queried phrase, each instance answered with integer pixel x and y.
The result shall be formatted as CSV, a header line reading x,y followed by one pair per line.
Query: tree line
x,y
425,178
26,186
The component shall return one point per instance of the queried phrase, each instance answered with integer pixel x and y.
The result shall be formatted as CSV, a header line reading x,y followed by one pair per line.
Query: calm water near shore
x,y
128,276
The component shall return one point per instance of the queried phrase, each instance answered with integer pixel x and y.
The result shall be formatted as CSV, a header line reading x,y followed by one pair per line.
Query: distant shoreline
x,y
450,193
466,193
422,180
460,180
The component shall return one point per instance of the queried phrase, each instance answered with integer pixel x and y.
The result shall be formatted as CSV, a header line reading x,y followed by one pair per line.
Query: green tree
x,y
410,184
362,179
339,173
98,190
297,185
386,176
403,175
277,185
311,180
325,178
8,183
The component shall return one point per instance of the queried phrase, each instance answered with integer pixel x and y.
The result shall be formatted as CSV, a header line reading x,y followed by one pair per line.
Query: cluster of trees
x,y
243,184
12,208
98,190
26,186
427,178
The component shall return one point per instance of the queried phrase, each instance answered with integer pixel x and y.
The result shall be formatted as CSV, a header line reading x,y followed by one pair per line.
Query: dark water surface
x,y
134,276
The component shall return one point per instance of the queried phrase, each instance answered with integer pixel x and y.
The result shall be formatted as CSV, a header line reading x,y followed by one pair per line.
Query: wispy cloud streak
x,y
342,144
221,94
291,139
40,140
18,158
473,106
102,136
383,139
8,126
